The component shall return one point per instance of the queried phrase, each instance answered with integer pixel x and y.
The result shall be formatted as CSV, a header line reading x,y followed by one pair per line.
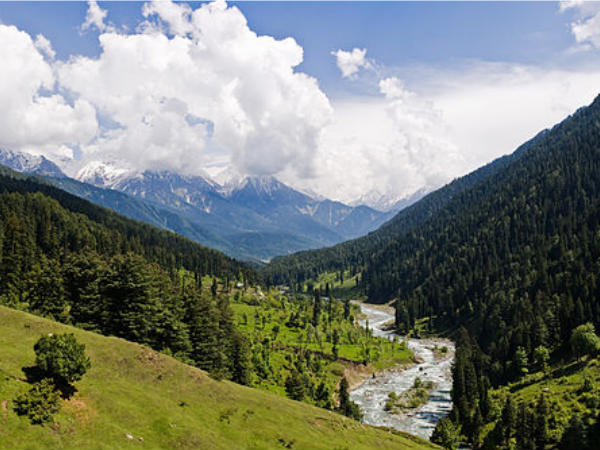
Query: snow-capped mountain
x,y
232,203
103,174
389,202
30,164
246,217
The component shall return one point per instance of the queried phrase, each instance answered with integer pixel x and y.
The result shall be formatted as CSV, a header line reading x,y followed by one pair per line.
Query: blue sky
x,y
398,34
416,93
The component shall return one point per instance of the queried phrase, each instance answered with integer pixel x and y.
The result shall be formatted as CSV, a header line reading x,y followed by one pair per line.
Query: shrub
x,y
61,357
40,403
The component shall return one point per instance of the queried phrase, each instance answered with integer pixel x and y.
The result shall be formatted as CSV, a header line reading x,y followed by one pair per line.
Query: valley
x,y
299,225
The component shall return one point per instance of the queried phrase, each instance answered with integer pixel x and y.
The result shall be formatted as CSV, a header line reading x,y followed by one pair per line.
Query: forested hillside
x,y
65,258
355,254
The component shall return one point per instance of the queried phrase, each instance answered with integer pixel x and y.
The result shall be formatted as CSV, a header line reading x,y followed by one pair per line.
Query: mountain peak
x,y
103,173
29,163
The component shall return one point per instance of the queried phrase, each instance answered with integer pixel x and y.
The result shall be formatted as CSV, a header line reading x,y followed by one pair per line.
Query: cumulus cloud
x,y
392,145
351,62
33,118
192,87
456,121
207,83
95,18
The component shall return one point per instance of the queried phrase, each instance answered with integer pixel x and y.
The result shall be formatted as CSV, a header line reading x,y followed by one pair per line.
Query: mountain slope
x,y
162,403
251,218
509,264
31,164
103,230
355,254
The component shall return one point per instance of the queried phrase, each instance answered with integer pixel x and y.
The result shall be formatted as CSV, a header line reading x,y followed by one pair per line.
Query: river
x,y
373,393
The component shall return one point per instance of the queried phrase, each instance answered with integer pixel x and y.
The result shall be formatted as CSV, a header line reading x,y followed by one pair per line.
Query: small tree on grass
x,y
61,357
295,386
40,403
584,340
446,434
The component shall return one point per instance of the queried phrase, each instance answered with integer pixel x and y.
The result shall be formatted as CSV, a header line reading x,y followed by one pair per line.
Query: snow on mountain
x,y
388,202
28,163
103,174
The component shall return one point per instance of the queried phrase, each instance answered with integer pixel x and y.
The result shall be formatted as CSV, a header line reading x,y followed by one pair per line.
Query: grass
x,y
268,317
345,289
134,398
565,388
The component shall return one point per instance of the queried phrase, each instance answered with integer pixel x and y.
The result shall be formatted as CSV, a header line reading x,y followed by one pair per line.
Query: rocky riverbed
x,y
432,366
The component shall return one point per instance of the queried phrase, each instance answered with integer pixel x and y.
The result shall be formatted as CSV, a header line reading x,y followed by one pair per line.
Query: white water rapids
x,y
373,393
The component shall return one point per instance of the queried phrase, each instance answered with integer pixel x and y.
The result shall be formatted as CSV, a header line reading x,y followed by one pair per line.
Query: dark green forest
x,y
65,258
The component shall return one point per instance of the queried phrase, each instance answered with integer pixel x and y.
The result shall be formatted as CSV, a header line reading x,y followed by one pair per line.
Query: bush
x,y
40,403
61,357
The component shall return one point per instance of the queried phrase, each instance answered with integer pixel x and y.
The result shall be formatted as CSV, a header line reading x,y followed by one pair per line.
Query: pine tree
x,y
508,418
346,406
295,386
242,365
541,423
316,308
574,436
446,434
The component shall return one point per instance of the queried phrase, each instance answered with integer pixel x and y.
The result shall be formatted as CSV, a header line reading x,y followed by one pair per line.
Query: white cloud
x,y
44,45
95,17
32,120
392,145
490,109
211,84
457,121
351,62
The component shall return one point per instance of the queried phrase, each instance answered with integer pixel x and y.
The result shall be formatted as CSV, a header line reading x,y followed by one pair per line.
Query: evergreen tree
x,y
316,308
574,436
242,366
346,406
446,434
295,386
542,357
541,423
508,418
323,396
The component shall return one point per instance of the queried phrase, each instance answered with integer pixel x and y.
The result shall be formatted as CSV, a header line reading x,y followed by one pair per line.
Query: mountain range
x,y
250,218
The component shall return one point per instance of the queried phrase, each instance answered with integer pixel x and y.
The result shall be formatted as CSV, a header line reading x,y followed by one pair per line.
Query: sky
x,y
354,101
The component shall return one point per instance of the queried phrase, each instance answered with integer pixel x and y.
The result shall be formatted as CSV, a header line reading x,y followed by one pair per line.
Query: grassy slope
x,y
563,387
133,390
